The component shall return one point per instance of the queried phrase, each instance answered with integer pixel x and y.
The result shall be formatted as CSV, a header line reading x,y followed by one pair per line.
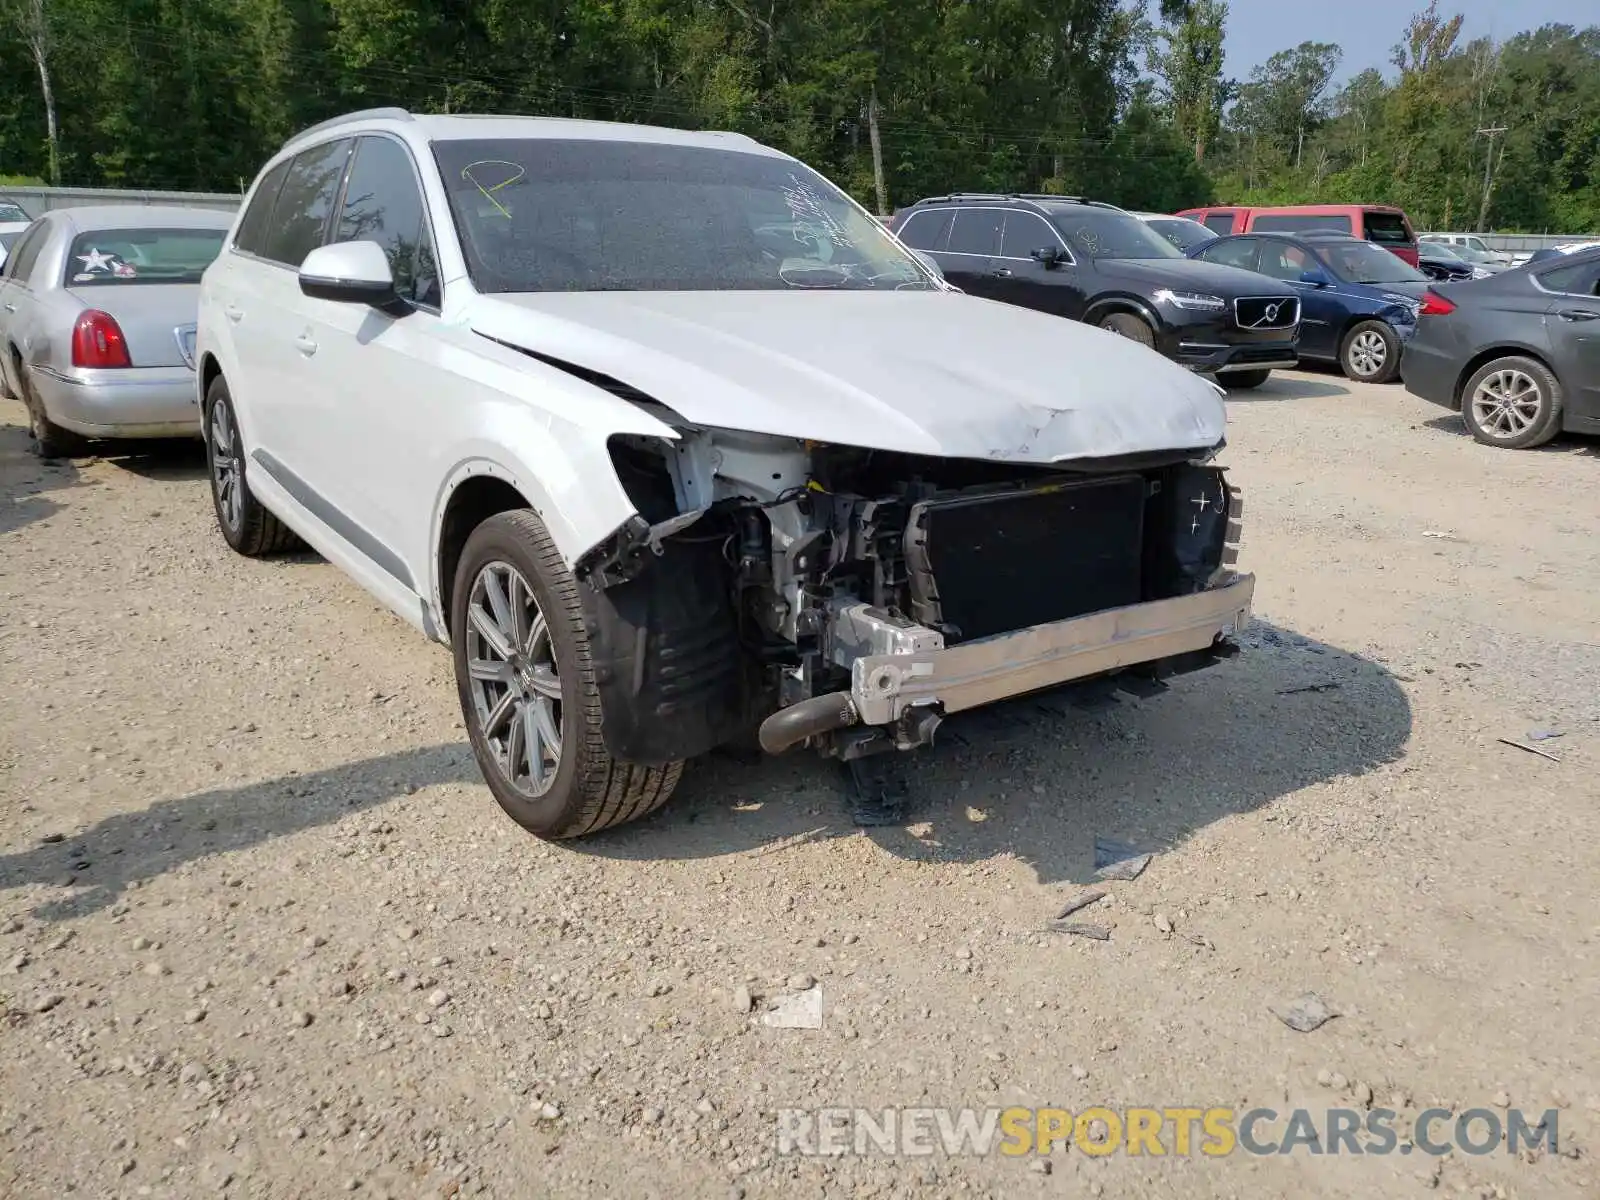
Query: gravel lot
x,y
264,933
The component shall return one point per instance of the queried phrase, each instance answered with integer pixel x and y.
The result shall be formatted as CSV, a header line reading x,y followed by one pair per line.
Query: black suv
x,y
1093,262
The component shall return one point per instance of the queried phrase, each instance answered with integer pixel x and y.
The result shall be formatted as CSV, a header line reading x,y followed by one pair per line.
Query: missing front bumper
x,y
883,687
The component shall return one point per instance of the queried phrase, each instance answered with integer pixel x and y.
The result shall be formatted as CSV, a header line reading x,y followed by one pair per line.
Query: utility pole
x,y
1488,172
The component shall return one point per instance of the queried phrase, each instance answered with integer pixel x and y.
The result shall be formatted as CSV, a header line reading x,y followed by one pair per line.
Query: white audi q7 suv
x,y
673,444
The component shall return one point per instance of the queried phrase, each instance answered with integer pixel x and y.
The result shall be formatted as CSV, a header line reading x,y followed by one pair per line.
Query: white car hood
x,y
937,373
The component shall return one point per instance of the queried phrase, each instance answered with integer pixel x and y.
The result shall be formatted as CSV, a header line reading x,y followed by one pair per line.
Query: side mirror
x,y
352,273
930,262
1048,256
1315,278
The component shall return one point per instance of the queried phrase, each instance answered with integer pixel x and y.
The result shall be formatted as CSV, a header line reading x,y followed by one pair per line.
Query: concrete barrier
x,y
36,200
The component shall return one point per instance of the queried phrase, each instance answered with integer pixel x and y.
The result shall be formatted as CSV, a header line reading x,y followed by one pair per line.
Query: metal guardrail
x,y
38,200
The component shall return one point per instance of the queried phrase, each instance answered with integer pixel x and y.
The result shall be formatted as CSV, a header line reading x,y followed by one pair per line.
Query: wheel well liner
x,y
470,505
1486,356
210,368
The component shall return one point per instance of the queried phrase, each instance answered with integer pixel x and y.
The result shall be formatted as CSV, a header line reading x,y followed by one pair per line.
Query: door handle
x,y
305,345
1002,272
233,314
1578,314
11,308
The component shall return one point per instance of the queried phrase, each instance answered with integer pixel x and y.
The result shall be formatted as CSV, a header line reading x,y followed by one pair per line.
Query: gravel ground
x,y
263,932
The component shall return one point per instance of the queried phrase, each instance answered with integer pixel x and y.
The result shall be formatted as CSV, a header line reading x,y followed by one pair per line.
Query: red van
x,y
1388,227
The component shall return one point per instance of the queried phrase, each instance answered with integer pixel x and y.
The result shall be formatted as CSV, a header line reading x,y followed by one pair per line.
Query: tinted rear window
x,y
928,229
1388,229
1300,223
1220,223
133,256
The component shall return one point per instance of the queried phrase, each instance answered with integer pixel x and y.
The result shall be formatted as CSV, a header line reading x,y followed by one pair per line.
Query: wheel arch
x,y
1502,350
1104,306
210,369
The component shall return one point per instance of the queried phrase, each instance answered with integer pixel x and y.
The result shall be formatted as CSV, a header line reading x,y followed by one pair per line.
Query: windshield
x,y
133,256
1362,262
1182,233
12,212
1436,250
1474,255
543,215
1103,233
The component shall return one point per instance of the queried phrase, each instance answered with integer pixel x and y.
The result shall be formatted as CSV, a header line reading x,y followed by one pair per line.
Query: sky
x,y
1366,29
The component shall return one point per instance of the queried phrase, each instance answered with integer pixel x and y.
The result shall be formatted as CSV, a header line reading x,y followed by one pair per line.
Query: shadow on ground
x,y
1564,443
1037,779
1297,386
27,483
163,458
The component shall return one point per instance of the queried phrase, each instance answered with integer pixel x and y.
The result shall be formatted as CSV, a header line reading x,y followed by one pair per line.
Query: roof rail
x,y
366,114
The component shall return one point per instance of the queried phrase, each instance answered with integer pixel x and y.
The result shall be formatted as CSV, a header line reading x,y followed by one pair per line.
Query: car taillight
x,y
1434,305
97,341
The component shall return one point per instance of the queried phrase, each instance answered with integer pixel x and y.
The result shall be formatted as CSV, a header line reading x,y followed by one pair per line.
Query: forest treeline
x,y
894,99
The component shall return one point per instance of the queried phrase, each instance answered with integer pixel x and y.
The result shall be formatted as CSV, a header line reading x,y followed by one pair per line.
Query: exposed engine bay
x,y
853,597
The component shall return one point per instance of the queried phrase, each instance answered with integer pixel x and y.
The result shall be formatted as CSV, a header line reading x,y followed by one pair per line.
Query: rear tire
x,y
528,692
1244,380
1513,403
245,523
1370,352
49,440
1134,328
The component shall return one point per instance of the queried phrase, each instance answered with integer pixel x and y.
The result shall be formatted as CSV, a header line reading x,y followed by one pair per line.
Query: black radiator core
x,y
987,564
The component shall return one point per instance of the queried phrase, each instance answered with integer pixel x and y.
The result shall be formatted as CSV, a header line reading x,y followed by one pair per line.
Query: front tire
x,y
528,692
1512,402
1370,352
245,523
1244,380
1135,329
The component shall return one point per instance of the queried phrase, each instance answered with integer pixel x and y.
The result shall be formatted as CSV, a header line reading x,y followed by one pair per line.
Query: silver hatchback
x,y
97,316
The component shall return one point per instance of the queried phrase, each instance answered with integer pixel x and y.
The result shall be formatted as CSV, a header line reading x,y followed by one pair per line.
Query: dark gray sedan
x,y
97,318
1518,355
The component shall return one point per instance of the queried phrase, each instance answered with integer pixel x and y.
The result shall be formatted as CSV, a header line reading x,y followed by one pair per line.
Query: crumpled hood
x,y
935,373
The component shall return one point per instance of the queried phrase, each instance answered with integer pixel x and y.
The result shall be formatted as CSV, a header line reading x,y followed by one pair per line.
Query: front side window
x,y
1301,223
383,204
252,235
1284,260
300,217
1101,233
1026,232
927,230
549,214
124,257
1362,262
1236,252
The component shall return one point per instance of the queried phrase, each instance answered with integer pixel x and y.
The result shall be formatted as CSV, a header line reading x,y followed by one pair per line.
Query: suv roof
x,y
460,126
1038,201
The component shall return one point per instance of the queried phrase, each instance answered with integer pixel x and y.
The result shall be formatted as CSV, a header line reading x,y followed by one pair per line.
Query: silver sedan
x,y
97,316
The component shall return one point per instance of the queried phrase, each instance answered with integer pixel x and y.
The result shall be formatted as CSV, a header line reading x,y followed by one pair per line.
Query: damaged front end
x,y
853,598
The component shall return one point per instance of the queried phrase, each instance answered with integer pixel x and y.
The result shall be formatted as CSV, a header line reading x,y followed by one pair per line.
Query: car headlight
x,y
1190,301
1480,273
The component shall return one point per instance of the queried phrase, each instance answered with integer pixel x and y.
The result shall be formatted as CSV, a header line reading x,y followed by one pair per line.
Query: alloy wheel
x,y
1506,404
516,692
225,465
1368,352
